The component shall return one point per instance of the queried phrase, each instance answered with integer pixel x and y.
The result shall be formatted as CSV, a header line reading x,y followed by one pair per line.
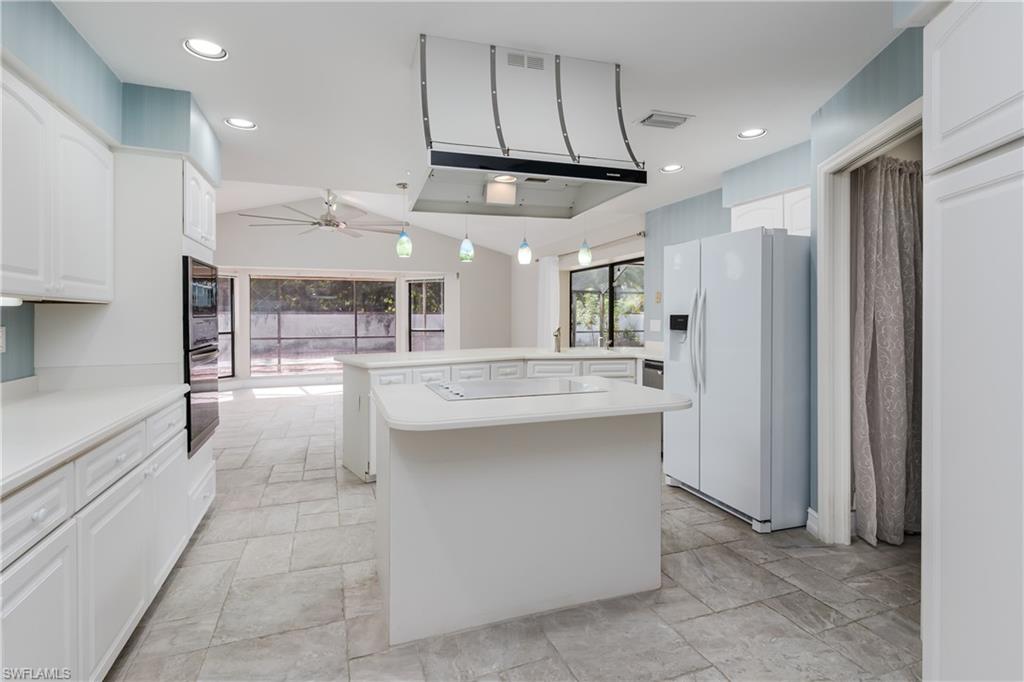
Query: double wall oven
x,y
201,350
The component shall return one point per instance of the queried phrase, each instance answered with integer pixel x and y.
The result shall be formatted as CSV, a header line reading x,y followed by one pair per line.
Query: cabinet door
x,y
796,211
193,203
209,216
973,80
508,370
973,536
27,162
168,483
426,375
114,541
39,597
552,368
83,214
470,372
767,213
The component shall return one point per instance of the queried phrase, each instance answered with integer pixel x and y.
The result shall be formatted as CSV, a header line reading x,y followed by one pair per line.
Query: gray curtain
x,y
886,362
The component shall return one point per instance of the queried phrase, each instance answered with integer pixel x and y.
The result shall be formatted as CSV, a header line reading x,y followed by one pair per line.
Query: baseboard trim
x,y
812,522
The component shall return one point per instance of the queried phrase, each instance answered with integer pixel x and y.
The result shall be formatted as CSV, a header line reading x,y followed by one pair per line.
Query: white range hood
x,y
551,122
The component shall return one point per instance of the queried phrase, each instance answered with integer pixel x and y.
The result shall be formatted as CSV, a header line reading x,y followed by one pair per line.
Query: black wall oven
x,y
200,327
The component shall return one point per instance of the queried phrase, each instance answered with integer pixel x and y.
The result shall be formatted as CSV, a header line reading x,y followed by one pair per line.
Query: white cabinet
x,y
790,211
200,207
973,80
167,473
390,377
474,372
552,368
25,259
612,369
32,512
39,597
971,424
508,370
58,208
426,375
114,588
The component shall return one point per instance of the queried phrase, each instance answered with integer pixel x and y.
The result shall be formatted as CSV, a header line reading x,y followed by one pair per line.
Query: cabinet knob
x,y
40,514
121,458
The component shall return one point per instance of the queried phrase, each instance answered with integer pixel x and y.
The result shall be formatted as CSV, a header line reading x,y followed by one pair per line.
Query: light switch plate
x,y
655,325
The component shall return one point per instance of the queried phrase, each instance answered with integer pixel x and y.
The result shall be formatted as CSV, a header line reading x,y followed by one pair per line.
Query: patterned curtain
x,y
886,362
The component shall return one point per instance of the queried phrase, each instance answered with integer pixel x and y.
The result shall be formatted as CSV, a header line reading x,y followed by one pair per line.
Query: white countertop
x,y
414,407
456,357
43,431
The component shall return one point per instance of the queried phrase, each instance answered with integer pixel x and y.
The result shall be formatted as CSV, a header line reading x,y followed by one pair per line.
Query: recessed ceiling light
x,y
240,123
205,49
672,168
752,133
505,178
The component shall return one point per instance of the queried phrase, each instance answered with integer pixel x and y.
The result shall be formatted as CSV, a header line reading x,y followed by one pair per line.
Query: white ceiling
x,y
331,84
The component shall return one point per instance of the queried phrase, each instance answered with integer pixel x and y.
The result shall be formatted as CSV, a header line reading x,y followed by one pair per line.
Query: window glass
x,y
426,315
607,305
225,327
298,325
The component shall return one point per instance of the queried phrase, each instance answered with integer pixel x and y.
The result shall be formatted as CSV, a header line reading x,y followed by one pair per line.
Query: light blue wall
x,y
203,146
787,169
18,361
683,221
890,82
155,117
38,36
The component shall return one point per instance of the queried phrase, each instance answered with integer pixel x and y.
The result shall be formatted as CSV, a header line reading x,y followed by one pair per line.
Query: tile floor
x,y
279,584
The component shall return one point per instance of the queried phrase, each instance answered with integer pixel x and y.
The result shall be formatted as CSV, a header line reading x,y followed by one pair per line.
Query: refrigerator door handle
x,y
692,342
701,369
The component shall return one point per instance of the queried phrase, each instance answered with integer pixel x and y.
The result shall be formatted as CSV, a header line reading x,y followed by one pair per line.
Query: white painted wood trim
x,y
833,518
812,522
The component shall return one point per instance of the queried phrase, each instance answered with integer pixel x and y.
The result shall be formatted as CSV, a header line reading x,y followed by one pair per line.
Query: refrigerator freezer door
x,y
735,352
682,427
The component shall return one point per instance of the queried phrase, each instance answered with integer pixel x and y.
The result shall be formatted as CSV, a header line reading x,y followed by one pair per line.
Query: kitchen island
x,y
363,372
497,507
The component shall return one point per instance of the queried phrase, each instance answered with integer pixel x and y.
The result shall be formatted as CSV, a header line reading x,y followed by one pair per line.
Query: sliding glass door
x,y
606,305
226,327
426,314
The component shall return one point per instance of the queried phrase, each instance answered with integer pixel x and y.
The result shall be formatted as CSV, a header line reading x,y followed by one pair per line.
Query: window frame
x,y
610,312
410,328
233,297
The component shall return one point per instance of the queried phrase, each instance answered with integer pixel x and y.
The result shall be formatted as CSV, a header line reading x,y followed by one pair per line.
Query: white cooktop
x,y
511,388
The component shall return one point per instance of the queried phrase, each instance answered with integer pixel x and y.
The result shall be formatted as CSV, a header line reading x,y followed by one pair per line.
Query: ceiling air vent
x,y
516,59
663,119
533,179
535,63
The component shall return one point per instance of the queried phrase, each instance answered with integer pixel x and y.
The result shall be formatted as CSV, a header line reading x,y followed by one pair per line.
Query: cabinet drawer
x,y
470,372
201,497
32,512
390,377
552,368
507,370
98,470
164,425
610,368
426,375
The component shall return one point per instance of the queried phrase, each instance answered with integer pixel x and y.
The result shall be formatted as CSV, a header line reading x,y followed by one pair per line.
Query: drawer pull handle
x,y
121,458
40,514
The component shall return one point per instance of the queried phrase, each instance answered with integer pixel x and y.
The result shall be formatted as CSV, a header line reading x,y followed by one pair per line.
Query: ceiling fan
x,y
330,220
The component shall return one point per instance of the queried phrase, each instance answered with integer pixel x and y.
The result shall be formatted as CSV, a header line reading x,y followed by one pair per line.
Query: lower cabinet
x,y
168,479
39,594
552,368
114,546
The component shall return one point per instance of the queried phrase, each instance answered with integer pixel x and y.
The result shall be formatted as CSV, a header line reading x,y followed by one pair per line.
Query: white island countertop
x,y
470,355
43,431
415,407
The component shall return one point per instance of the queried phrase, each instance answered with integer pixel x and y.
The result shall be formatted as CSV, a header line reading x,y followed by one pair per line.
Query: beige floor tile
x,y
366,634
318,506
315,653
173,637
884,590
550,669
317,521
807,612
673,604
265,556
825,588
297,491
722,579
678,535
862,646
900,628
472,654
207,554
331,546
193,591
176,668
401,664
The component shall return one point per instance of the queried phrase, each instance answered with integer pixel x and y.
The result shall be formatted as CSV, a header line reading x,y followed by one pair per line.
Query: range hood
x,y
519,133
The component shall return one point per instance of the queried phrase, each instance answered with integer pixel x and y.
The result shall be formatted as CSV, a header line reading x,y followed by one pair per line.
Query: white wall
x,y
484,283
138,337
523,300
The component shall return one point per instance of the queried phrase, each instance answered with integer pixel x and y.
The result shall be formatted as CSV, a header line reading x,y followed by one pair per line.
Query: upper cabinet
x,y
58,207
791,210
973,81
200,208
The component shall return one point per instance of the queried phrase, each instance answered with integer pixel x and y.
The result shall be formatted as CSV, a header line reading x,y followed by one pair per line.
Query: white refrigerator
x,y
737,339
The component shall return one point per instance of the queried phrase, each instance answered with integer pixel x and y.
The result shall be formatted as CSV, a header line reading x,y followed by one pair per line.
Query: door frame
x,y
834,518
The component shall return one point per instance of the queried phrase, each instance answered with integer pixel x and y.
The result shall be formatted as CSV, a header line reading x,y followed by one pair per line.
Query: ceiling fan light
x,y
466,251
403,247
525,254
205,49
584,256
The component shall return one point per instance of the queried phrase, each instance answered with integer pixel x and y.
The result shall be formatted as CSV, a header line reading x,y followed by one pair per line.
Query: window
x,y
607,304
226,327
426,315
298,325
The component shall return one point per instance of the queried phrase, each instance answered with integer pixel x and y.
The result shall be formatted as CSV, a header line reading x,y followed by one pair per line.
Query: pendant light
x,y
525,255
403,247
584,256
466,247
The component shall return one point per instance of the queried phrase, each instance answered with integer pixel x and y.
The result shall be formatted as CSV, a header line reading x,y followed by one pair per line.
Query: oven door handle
x,y
201,355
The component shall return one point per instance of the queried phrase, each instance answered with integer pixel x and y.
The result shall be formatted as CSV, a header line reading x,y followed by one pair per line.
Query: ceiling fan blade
x,y
377,230
312,229
276,217
350,210
386,223
292,208
283,225
349,233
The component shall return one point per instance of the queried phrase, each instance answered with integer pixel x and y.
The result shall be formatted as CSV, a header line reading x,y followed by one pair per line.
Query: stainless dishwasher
x,y
654,376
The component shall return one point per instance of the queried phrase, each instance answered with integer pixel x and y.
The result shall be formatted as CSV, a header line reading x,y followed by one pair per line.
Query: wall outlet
x,y
3,339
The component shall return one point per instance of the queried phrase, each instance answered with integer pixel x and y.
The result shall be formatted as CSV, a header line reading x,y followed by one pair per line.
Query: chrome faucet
x,y
558,339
